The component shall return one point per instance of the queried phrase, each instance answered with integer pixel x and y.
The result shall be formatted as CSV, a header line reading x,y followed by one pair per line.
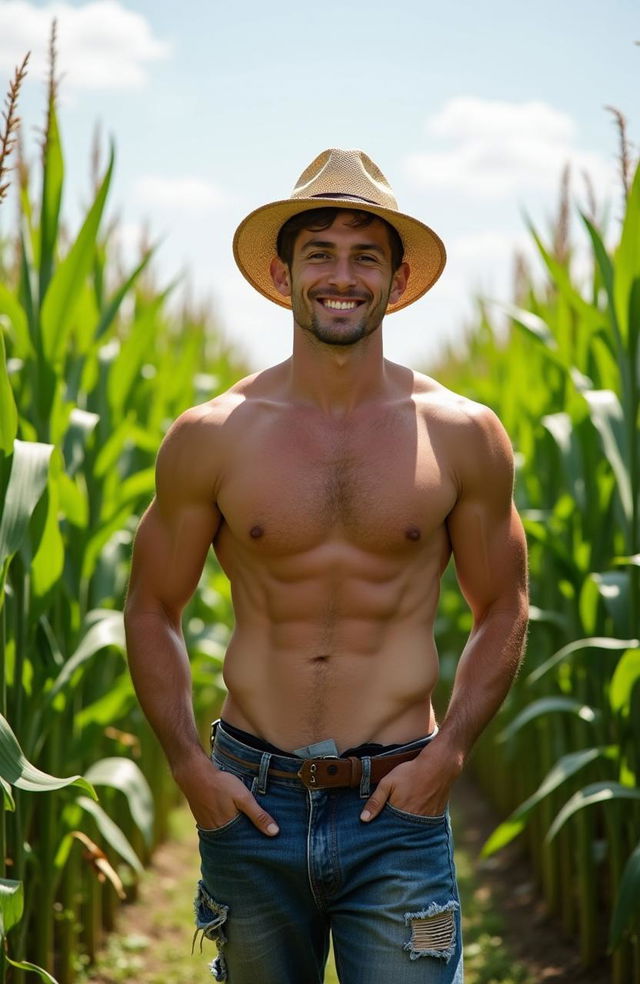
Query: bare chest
x,y
381,486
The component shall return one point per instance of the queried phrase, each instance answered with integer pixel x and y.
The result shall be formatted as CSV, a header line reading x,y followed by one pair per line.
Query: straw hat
x,y
338,179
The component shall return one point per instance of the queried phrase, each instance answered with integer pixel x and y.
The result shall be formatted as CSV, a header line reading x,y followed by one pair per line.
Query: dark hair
x,y
321,218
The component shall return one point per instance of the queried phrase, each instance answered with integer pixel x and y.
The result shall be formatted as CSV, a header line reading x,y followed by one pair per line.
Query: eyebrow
x,y
328,244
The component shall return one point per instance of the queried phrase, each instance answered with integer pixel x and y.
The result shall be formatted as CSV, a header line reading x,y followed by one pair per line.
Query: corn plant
x,y
563,758
86,393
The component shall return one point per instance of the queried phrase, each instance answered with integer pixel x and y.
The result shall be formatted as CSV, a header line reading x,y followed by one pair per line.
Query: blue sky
x,y
471,110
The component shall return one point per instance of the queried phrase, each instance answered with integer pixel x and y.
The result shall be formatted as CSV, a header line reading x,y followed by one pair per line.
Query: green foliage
x,y
565,380
94,365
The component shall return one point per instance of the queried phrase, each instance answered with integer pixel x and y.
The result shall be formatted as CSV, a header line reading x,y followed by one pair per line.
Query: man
x,y
334,488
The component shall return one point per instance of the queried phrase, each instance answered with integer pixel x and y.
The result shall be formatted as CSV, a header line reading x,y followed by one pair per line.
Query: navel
x,y
256,532
412,533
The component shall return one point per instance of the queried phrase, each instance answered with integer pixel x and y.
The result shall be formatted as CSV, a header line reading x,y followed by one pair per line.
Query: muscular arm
x,y
489,550
169,553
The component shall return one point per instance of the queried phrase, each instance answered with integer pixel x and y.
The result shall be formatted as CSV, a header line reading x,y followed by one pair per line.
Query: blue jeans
x,y
386,890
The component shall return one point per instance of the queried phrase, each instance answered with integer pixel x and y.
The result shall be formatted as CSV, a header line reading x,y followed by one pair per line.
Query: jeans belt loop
x,y
365,781
263,772
212,733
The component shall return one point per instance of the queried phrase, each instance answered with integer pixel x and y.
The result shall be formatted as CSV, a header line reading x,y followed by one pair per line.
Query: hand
x,y
421,787
216,797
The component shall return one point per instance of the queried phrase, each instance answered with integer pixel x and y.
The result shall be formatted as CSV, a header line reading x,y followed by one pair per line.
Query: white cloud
x,y
187,192
101,44
497,148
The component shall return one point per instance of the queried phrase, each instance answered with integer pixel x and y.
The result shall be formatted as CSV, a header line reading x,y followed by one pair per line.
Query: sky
x,y
471,110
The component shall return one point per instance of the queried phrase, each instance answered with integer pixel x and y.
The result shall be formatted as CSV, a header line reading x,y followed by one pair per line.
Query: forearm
x,y
161,675
486,670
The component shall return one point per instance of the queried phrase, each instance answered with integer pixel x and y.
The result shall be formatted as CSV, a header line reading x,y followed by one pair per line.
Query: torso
x,y
334,537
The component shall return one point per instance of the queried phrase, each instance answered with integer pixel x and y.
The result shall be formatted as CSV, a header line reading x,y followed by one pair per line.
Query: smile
x,y
340,305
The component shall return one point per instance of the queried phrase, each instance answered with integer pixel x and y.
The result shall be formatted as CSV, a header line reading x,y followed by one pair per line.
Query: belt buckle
x,y
308,771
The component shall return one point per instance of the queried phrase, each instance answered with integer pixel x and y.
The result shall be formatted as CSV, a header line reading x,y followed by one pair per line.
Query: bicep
x,y
169,553
178,528
486,534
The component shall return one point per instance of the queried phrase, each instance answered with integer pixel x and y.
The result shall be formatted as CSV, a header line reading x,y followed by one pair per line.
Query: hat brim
x,y
254,245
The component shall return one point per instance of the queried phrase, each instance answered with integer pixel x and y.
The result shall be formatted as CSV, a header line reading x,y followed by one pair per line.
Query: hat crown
x,y
347,174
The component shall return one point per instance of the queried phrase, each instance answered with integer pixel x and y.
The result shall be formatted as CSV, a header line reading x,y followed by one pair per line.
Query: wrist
x,y
187,761
450,752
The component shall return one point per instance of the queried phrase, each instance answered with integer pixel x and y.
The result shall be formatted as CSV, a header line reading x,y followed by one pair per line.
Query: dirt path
x,y
505,881
508,938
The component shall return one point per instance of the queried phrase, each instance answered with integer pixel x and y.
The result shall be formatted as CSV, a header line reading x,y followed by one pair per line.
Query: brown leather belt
x,y
334,773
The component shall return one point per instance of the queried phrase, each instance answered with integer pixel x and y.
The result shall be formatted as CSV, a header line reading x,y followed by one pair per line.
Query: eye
x,y
367,258
317,255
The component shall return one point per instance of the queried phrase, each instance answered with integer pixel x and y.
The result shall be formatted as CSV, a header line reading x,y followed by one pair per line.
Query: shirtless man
x,y
334,488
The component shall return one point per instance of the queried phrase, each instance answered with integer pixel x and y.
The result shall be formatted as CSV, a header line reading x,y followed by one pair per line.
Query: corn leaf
x,y
592,795
123,774
627,268
18,331
67,282
107,631
608,419
112,307
11,904
589,315
579,645
8,801
8,411
566,766
109,707
614,588
626,677
48,560
52,179
607,272
111,832
27,482
627,906
32,968
17,770
548,705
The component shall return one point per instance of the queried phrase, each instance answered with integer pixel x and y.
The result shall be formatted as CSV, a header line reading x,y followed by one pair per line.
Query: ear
x,y
280,276
399,282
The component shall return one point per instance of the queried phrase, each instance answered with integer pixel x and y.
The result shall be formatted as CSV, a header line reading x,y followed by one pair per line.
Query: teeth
x,y
340,305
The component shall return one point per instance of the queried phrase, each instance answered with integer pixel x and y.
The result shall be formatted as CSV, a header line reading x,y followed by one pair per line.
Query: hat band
x,y
350,198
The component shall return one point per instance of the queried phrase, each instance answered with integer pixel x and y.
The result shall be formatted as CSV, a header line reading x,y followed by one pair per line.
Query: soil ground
x,y
508,937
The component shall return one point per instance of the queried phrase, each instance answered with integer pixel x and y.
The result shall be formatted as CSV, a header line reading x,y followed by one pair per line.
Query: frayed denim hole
x,y
211,916
433,931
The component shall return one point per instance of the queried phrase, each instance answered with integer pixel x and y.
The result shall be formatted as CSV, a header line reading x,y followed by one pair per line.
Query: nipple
x,y
412,533
256,532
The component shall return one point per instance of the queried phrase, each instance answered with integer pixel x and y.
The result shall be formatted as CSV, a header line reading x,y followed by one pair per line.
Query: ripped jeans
x,y
385,891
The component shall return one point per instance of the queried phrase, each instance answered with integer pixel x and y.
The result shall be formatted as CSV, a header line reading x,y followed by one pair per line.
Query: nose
x,y
342,274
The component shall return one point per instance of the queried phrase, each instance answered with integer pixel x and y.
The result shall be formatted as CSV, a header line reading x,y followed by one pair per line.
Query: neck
x,y
337,378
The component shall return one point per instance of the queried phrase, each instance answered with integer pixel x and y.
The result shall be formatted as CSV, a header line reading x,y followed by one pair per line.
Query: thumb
x,y
374,804
259,817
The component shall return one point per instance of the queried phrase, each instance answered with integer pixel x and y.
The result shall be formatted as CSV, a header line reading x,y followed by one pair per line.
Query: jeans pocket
x,y
250,782
418,818
213,831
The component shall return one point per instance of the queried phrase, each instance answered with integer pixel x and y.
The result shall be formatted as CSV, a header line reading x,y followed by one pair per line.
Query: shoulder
x,y
441,405
476,442
196,445
208,421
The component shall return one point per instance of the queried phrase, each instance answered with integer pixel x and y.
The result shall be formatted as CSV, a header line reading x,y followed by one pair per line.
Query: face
x,y
340,280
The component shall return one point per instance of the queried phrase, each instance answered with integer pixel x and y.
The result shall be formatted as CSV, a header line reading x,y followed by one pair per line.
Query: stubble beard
x,y
332,331
330,335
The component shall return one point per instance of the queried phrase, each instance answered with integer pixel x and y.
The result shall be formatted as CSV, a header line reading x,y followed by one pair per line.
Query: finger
x,y
259,817
374,804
